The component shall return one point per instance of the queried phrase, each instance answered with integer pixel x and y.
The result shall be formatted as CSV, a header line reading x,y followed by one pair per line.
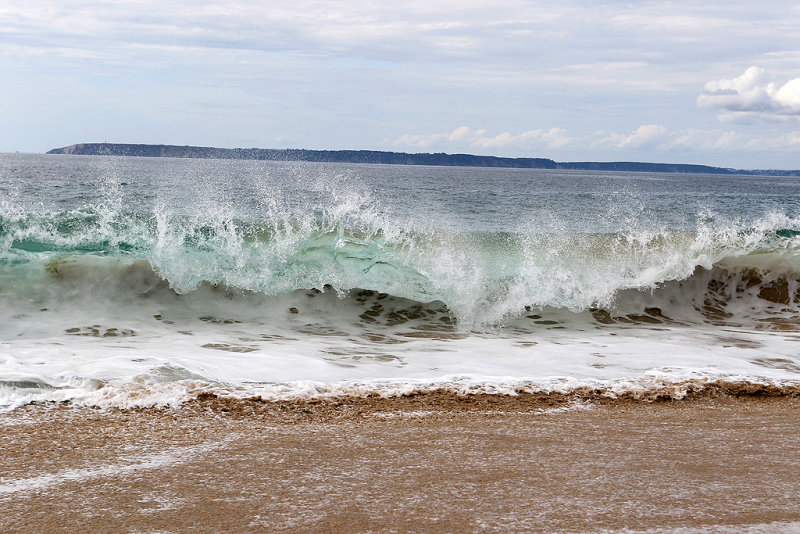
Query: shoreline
x,y
335,402
434,463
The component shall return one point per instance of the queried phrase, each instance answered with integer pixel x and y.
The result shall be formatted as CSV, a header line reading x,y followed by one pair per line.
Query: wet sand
x,y
427,464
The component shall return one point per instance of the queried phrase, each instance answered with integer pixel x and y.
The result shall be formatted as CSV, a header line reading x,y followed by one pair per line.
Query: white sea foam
x,y
162,350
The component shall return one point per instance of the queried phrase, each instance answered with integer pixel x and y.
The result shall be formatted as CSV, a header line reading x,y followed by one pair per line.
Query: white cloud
x,y
662,140
645,143
464,138
459,134
646,135
752,94
672,23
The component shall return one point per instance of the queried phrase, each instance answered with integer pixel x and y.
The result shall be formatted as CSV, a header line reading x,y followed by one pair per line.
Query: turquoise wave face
x,y
482,277
488,243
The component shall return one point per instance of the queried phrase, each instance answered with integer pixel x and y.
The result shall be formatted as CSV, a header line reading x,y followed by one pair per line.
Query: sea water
x,y
147,281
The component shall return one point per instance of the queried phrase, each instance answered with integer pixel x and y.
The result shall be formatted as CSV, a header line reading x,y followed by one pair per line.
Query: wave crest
x,y
483,278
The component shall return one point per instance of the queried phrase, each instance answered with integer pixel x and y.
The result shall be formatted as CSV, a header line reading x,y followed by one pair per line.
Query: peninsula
x,y
392,158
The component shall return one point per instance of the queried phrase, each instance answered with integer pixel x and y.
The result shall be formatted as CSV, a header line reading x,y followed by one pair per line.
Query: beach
x,y
513,266
246,346
443,463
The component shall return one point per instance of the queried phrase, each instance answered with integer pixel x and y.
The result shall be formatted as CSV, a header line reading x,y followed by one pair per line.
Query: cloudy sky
x,y
674,81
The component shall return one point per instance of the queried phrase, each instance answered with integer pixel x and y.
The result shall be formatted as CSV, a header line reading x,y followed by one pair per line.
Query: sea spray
x,y
240,274
483,278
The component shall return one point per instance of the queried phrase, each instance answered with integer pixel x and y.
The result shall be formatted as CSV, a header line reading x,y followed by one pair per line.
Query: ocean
x,y
137,282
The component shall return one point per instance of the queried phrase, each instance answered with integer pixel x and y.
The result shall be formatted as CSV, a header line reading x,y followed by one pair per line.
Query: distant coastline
x,y
392,158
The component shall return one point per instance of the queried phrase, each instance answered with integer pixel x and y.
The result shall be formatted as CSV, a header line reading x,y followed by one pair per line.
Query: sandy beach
x,y
428,463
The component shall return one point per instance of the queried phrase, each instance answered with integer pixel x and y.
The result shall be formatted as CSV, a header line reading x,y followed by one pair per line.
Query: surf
x,y
482,278
148,281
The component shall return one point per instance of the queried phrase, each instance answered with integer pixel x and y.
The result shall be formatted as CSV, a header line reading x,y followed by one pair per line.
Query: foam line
x,y
125,467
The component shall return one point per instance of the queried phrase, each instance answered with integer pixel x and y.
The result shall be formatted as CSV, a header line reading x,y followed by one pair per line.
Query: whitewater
x,y
135,282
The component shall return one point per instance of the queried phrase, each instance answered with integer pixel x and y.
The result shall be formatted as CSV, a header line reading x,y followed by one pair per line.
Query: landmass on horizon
x,y
393,158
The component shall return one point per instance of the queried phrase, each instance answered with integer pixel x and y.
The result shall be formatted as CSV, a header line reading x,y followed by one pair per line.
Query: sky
x,y
715,82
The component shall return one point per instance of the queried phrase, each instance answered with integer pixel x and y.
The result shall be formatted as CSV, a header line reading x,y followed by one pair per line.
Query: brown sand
x,y
433,464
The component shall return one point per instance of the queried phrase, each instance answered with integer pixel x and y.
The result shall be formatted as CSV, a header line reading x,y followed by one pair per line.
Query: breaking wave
x,y
481,278
284,284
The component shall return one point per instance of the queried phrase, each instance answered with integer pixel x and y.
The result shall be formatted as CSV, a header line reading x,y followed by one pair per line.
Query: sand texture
x,y
423,465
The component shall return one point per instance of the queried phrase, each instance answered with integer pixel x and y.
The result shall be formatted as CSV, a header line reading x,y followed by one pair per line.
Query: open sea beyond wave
x,y
138,282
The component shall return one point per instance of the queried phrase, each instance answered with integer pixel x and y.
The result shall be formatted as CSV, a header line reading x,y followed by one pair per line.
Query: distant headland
x,y
391,158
